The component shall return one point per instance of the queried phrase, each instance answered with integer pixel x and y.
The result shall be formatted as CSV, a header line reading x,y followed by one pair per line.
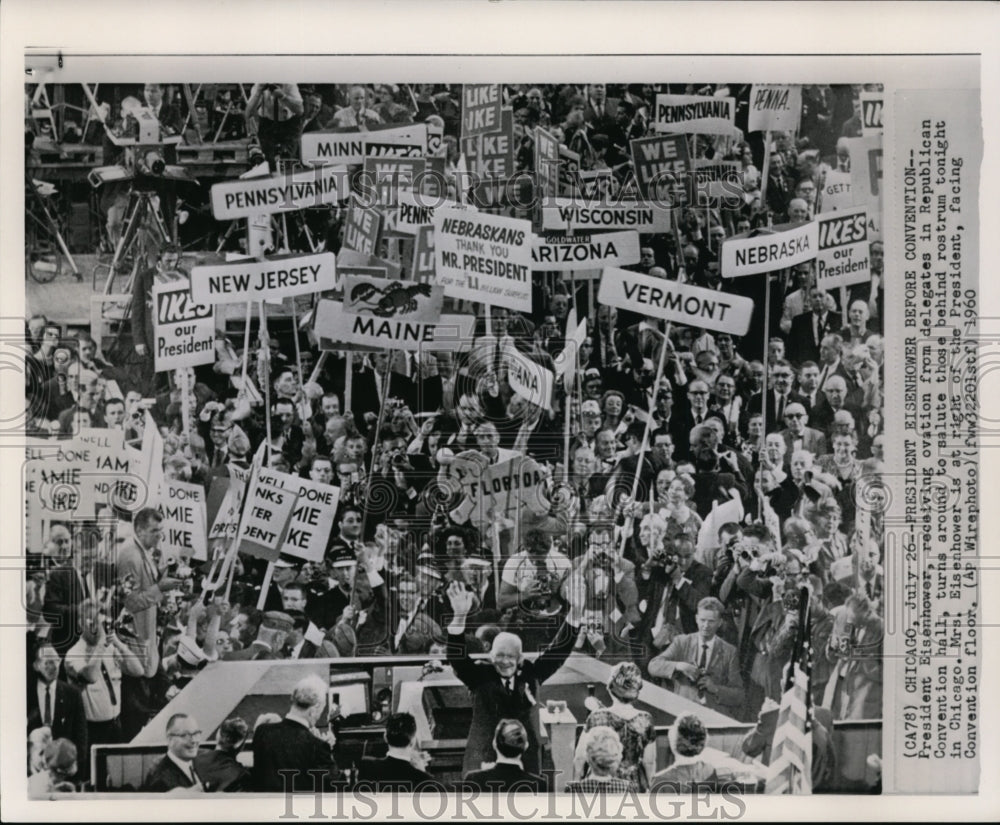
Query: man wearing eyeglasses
x,y
798,436
175,772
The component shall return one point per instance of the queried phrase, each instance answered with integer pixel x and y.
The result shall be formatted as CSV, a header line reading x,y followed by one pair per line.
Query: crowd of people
x,y
683,515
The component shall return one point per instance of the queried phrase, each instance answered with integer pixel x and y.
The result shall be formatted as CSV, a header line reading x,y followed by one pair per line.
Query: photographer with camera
x,y
854,690
274,115
703,667
95,664
671,586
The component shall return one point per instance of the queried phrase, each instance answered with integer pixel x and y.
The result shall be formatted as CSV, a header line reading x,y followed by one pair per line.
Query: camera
x,y
791,600
255,155
400,461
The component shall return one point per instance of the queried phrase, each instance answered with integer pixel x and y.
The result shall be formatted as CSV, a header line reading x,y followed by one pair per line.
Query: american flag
x,y
790,771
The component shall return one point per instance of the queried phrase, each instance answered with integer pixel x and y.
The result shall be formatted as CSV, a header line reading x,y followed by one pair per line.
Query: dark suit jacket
x,y
771,423
69,720
491,702
504,777
165,776
391,774
365,395
803,345
289,746
681,606
220,771
63,595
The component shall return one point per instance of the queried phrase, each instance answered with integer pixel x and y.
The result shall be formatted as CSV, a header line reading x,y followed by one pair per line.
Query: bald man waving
x,y
506,686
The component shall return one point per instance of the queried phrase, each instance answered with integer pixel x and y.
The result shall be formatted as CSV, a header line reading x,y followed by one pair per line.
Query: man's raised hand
x,y
460,598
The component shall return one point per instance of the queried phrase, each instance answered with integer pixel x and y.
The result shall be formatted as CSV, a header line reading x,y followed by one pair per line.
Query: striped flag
x,y
790,771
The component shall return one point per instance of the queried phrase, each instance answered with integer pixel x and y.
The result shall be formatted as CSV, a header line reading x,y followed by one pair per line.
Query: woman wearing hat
x,y
634,728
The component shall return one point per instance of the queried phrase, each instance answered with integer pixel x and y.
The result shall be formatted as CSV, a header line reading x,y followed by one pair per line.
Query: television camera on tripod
x,y
143,165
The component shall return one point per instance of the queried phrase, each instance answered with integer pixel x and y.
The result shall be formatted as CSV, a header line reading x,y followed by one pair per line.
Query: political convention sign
x,y
509,488
184,330
546,164
680,303
572,215
279,277
662,167
866,179
351,148
185,520
871,113
279,193
313,511
332,327
414,210
362,228
836,192
422,263
387,298
225,498
694,114
768,251
774,108
481,105
485,258
266,514
842,258
530,379
496,158
719,178
565,253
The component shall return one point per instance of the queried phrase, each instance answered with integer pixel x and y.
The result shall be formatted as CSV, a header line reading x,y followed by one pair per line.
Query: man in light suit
x,y
144,583
703,667
798,436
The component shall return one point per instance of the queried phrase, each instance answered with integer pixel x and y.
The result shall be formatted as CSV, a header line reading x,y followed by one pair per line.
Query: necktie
x,y
274,102
47,717
83,585
779,410
703,660
497,357
111,686
509,683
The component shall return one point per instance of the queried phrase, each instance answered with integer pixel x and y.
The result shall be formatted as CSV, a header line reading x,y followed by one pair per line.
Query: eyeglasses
x,y
795,415
698,392
195,734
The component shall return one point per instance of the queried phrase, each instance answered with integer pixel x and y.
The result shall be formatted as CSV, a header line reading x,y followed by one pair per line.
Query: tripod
x,y
42,233
140,212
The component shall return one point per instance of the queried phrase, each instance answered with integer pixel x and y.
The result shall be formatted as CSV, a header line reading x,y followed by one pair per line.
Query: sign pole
x,y
265,363
763,173
186,401
765,389
246,347
645,433
378,431
265,585
348,379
